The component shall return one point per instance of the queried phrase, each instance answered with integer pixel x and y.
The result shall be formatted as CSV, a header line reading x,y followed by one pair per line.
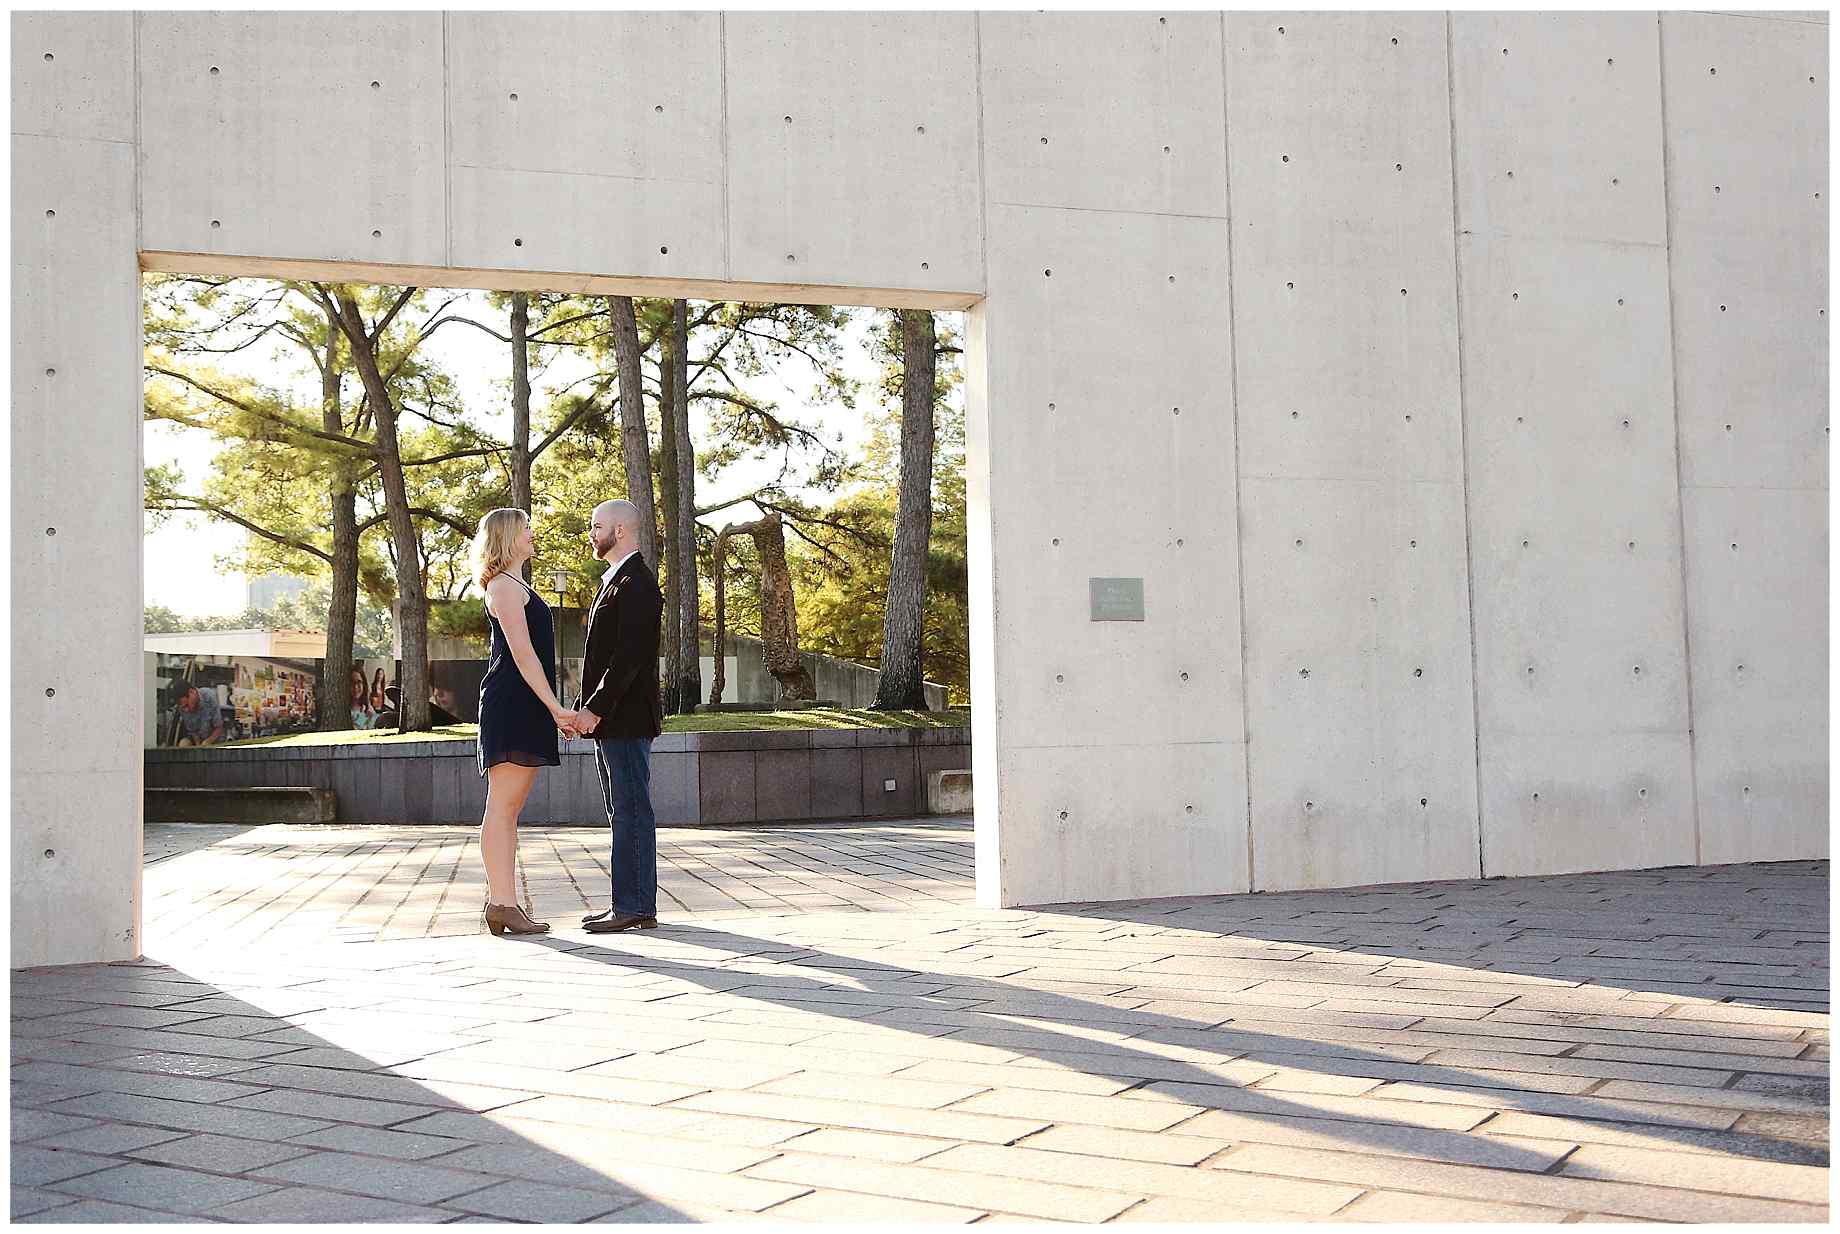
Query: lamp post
x,y
558,583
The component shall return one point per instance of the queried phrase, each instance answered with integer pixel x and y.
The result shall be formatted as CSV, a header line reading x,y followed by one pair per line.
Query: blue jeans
x,y
625,765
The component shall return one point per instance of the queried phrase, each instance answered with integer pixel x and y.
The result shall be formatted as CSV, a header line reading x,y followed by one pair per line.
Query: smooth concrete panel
x,y
1104,111
1747,180
571,152
1351,467
1567,802
853,148
1760,670
76,866
1570,437
1336,210
76,441
1069,432
1123,822
1115,472
73,75
1558,119
1362,750
288,148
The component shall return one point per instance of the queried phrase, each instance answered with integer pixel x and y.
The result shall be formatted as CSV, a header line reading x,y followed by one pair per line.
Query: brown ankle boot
x,y
512,919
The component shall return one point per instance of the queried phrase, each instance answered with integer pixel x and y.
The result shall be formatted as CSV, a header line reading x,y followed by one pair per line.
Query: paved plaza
x,y
826,1028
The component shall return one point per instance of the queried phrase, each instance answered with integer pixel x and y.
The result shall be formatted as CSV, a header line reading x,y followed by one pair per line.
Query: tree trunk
x,y
779,619
673,509
903,620
520,405
342,611
412,713
718,564
635,442
689,679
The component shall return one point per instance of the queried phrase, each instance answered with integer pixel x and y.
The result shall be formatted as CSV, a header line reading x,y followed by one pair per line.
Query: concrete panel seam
x,y
728,243
977,52
1680,513
1152,214
447,143
1239,488
94,141
585,175
1469,557
138,212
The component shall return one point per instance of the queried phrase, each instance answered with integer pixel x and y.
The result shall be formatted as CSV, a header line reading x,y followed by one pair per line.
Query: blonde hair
x,y
494,542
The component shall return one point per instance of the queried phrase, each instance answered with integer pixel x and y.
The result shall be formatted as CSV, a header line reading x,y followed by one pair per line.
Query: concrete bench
x,y
948,792
241,805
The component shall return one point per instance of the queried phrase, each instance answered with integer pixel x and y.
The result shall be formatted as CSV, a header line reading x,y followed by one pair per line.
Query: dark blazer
x,y
619,670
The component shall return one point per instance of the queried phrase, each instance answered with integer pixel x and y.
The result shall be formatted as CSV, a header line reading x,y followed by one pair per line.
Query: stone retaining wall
x,y
697,778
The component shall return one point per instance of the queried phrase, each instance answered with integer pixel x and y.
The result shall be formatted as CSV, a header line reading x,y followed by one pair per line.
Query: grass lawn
x,y
712,722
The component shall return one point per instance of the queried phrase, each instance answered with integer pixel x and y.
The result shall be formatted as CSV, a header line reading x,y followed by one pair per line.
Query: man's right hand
x,y
586,721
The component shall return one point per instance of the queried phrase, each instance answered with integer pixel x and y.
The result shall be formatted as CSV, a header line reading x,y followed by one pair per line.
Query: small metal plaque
x,y
1117,599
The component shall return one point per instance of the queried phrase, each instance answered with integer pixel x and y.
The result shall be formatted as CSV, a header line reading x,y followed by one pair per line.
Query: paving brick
x,y
309,1204
546,1202
1112,1142
28,1200
1401,1208
591,1147
594,1169
1507,1186
829,1206
870,1145
100,1078
99,1212
897,1090
1145,1178
30,1124
705,1072
941,1124
379,1142
1759,1147
33,1166
1169,1209
1597,1105
217,1154
1075,1108
108,1139
417,1182
991,1075
1700,1172
332,1108
1716,1098
1019,1196
162,1187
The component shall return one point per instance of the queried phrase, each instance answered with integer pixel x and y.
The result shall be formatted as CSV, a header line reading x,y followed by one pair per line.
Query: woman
x,y
519,713
378,701
362,716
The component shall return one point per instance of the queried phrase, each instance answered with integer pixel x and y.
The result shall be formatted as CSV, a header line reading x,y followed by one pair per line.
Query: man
x,y
621,710
201,720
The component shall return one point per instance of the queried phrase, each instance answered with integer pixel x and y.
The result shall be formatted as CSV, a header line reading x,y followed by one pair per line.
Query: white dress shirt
x,y
614,569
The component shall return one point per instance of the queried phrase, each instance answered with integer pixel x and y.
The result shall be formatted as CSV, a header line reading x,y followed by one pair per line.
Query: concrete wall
x,y
1213,264
698,779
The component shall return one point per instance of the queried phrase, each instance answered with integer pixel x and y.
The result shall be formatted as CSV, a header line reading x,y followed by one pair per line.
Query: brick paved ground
x,y
289,884
1647,1046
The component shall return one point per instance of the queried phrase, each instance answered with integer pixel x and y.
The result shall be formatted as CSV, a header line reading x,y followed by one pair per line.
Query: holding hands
x,y
573,724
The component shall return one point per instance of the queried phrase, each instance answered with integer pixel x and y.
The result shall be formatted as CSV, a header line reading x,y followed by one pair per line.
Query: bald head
x,y
614,530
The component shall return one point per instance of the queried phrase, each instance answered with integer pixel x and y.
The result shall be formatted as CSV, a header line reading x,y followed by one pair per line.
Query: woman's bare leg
x,y
507,786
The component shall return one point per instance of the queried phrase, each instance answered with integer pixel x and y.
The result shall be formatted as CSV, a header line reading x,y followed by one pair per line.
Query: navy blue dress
x,y
514,725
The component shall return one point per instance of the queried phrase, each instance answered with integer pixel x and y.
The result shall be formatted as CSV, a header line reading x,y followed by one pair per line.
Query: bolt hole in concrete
x,y
514,97
50,692
660,109
51,372
51,852
51,531
518,242
376,85
49,57
51,214
375,234
1184,676
215,223
664,248
215,70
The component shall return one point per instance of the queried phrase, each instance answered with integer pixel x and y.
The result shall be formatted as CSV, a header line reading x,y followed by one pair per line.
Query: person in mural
x,y
201,720
519,713
362,714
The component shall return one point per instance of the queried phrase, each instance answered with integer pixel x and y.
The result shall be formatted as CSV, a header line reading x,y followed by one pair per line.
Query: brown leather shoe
x,y
512,919
621,921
